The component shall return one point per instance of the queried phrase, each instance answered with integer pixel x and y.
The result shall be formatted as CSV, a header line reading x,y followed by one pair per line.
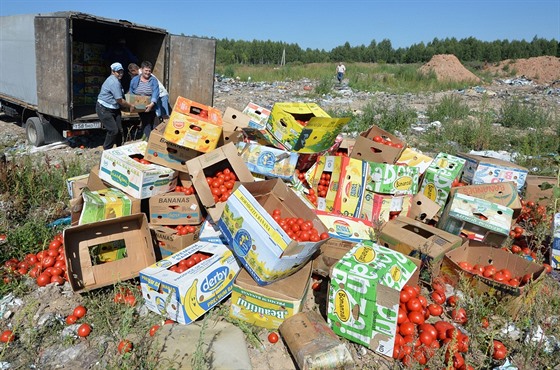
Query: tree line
x,y
467,50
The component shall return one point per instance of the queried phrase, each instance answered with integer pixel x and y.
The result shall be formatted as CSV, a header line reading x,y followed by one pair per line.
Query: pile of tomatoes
x,y
221,184
46,266
298,229
187,263
503,276
187,190
184,229
388,142
341,153
323,185
533,214
141,160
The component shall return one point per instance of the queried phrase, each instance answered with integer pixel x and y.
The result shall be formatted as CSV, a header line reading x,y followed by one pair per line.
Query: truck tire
x,y
40,132
34,131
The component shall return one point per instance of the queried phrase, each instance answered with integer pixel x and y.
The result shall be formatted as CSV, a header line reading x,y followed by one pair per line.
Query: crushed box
x,y
107,252
364,294
438,177
368,146
346,228
503,193
120,169
413,158
258,241
184,297
268,306
268,161
384,207
540,189
477,219
105,204
304,127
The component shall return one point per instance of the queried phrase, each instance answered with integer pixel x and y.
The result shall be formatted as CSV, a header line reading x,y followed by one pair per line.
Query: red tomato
x,y
273,338
438,297
414,304
407,328
125,346
84,330
80,311
515,249
153,330
489,271
7,336
416,317
316,286
435,309
426,338
169,321
547,268
43,279
402,317
71,319
130,300
459,315
405,296
452,301
484,322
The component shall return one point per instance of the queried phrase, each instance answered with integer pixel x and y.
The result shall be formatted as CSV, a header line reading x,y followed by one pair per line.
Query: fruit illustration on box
x,y
190,302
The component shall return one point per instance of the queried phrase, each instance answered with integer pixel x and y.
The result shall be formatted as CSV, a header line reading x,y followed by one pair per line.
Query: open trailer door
x,y
191,69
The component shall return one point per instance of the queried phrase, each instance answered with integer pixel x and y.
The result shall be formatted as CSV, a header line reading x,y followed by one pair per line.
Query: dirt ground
x,y
543,71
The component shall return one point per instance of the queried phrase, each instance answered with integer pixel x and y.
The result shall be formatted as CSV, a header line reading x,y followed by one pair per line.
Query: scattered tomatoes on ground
x,y
84,330
153,330
7,336
79,311
125,346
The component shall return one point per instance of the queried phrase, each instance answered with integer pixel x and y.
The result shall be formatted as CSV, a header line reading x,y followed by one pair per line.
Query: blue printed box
x,y
485,170
268,161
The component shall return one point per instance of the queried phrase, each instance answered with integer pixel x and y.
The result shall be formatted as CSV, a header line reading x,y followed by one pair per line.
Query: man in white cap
x,y
108,107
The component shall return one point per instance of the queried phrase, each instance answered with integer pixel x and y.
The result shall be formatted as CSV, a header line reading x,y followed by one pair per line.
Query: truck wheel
x,y
35,131
40,132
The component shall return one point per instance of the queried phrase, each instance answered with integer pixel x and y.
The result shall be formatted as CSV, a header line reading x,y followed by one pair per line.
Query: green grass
x,y
450,107
522,115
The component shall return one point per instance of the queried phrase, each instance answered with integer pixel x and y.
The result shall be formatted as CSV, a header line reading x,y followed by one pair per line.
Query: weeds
x,y
516,114
450,107
324,86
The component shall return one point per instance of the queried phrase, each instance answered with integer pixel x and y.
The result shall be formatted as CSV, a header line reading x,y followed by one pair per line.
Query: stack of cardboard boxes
x,y
372,202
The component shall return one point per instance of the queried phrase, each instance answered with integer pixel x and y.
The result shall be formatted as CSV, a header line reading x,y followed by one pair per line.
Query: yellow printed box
x,y
386,178
188,131
120,167
383,207
304,127
268,306
266,251
104,204
185,296
413,158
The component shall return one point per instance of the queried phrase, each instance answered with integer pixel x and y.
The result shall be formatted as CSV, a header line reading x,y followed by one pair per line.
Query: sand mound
x,y
542,70
448,68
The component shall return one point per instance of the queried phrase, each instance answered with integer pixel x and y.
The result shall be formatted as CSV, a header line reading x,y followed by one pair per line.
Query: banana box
x,y
413,158
386,178
255,128
120,169
192,132
75,184
268,161
266,251
166,153
169,241
139,101
383,207
268,306
477,219
304,127
104,204
364,293
200,111
347,228
480,169
209,232
334,166
258,115
555,252
175,208
437,180
351,187
185,296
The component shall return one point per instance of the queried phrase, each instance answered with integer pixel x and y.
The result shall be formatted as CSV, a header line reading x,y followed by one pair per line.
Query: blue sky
x,y
325,24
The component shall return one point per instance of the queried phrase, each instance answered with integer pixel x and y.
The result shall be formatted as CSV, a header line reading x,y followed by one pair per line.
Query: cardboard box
x,y
503,193
424,209
268,306
75,184
107,252
330,253
263,247
352,185
184,297
313,344
169,241
333,166
166,153
438,177
119,169
105,204
369,150
555,252
480,254
477,219
209,232
268,161
421,241
386,178
139,101
175,208
480,169
364,293
252,123
304,127
413,158
258,115
346,228
188,131
208,165
197,110
379,208
539,189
